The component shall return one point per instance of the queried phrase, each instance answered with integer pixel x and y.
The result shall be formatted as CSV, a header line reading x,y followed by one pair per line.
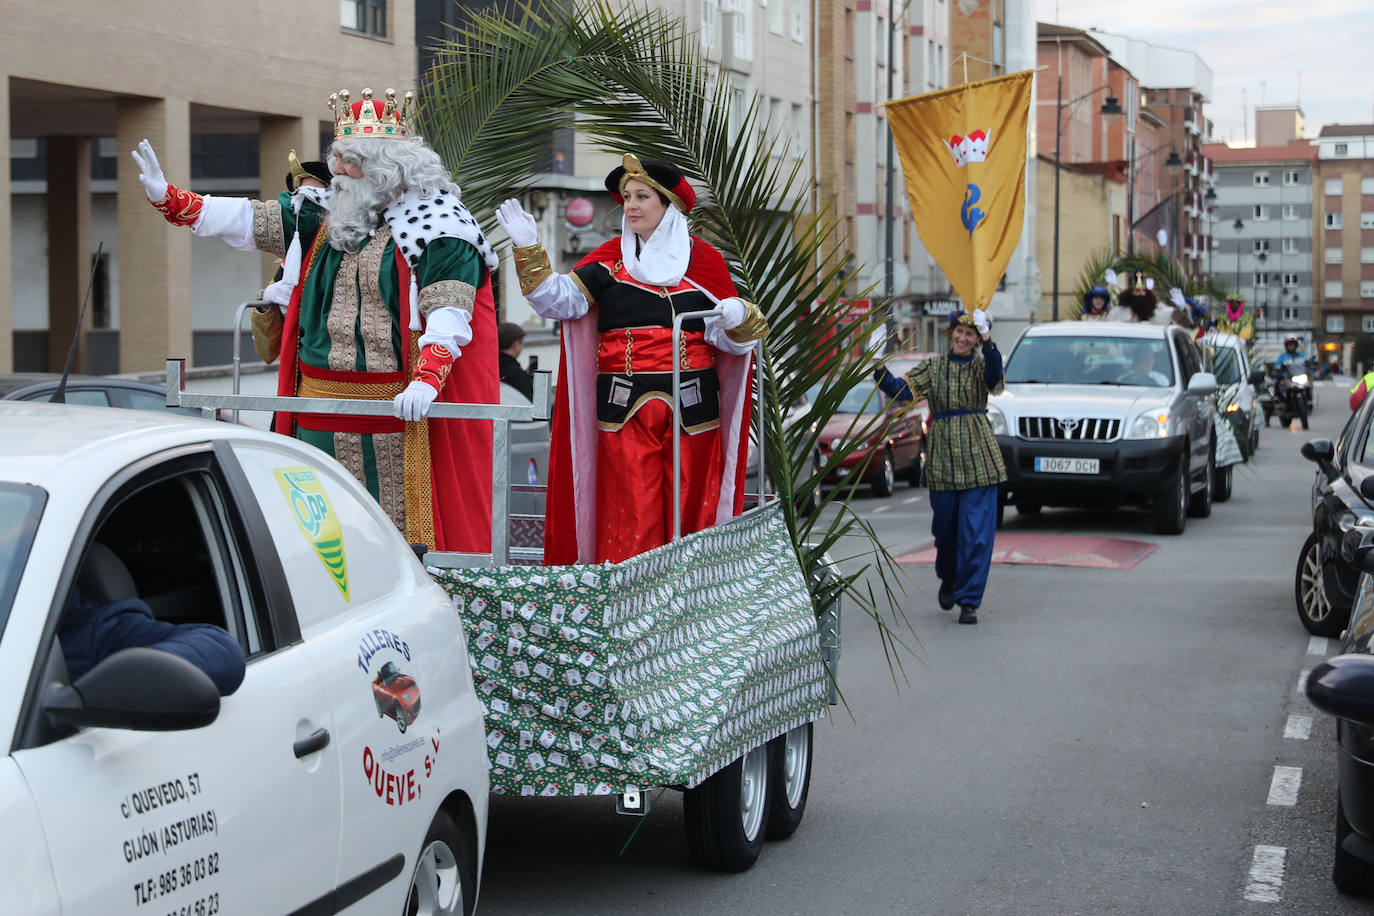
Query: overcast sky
x,y
1319,53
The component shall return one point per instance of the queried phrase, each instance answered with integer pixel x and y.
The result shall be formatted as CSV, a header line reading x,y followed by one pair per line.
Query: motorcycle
x,y
1292,394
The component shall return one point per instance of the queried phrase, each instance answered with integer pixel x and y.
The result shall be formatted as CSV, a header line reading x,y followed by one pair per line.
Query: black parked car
x,y
1342,497
1344,687
88,391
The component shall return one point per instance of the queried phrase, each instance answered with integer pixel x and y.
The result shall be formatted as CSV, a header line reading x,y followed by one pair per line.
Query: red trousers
x,y
634,483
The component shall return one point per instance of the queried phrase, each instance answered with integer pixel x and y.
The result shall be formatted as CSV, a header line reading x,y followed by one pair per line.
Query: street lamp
x,y
1209,203
1238,226
1109,107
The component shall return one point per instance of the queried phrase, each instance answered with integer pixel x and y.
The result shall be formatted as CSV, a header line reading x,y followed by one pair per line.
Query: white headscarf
x,y
664,258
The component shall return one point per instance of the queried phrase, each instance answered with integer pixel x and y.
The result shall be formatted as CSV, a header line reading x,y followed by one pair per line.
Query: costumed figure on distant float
x,y
611,459
1115,286
389,299
1097,303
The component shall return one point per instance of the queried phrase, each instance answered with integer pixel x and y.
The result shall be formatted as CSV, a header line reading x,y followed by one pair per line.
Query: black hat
x,y
659,174
300,170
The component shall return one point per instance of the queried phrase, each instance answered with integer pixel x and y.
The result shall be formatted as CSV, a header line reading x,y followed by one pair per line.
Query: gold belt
x,y
327,388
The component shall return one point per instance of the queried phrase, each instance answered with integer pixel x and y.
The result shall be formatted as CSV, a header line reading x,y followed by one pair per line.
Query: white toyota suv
x,y
322,783
1102,413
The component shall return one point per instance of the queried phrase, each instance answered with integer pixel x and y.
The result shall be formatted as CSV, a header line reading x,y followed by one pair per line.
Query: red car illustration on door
x,y
396,695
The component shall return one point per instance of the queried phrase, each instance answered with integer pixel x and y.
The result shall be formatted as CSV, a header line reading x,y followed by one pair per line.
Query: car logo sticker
x,y
397,773
317,520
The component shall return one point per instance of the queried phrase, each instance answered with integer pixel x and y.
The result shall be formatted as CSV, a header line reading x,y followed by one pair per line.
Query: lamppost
x,y
1110,107
1173,164
1238,225
1260,275
1209,203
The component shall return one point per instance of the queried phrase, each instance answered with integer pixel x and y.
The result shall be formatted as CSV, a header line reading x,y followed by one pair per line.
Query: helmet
x,y
1290,339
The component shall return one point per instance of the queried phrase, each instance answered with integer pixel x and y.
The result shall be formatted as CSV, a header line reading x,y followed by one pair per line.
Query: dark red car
x,y
396,695
888,450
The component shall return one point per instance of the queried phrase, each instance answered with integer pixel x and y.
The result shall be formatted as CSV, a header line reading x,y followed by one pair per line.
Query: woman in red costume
x,y
610,468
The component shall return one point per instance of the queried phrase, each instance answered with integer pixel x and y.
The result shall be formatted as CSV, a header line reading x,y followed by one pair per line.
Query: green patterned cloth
x,y
961,451
656,671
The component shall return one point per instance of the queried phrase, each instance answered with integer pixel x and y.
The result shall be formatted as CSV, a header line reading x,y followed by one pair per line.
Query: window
x,y
1334,187
1367,220
1290,246
1290,313
1335,255
798,18
1367,324
708,24
366,16
1291,179
1335,324
1260,212
798,132
1332,289
1341,149
777,16
1290,281
1366,289
1261,281
880,42
1367,186
1290,211
1261,244
1261,179
1333,221
1367,255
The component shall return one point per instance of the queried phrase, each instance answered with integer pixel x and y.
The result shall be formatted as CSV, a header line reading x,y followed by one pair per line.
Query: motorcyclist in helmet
x,y
1292,353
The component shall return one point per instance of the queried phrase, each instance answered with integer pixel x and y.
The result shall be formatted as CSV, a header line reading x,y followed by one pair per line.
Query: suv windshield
x,y
1091,361
20,507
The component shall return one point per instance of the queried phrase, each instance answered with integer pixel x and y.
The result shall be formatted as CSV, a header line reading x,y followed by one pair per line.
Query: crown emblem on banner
x,y
973,148
369,117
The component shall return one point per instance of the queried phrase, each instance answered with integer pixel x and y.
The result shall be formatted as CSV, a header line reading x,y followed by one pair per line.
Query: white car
x,y
321,784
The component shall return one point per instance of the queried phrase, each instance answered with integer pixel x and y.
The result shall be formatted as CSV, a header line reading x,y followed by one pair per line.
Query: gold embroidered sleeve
x,y
531,266
268,233
753,327
454,294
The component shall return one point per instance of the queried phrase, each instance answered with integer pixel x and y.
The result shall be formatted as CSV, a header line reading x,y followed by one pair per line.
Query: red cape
x,y
565,512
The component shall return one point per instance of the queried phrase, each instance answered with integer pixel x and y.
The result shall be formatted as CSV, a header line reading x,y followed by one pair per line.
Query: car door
x,y
239,816
391,654
1198,408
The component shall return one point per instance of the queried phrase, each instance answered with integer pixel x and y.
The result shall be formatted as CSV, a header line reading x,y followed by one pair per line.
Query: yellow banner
x,y
963,154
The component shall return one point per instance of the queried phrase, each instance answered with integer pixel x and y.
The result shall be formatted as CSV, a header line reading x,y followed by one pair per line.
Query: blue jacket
x,y
91,631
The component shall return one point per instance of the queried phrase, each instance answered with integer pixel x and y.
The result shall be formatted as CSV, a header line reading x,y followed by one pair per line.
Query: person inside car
x,y
1142,369
93,630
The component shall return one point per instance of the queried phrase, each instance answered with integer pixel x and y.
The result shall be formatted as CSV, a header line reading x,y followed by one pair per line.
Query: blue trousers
x,y
963,525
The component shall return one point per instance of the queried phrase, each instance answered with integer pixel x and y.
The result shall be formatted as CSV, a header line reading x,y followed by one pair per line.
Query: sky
x,y
1318,53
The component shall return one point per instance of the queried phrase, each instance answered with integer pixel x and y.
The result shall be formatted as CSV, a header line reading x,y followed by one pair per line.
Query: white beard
x,y
355,208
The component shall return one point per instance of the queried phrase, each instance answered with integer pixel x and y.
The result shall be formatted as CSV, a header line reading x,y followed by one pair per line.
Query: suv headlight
x,y
1152,424
997,420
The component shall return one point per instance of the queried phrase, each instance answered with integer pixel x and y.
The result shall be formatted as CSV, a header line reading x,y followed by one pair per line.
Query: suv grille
x,y
1092,429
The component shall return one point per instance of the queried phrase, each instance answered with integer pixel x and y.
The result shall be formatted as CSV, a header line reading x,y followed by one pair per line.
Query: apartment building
x,y
1263,232
1344,199
223,92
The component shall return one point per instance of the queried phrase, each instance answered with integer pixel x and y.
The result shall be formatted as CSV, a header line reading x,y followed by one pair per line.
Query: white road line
x,y
880,509
1302,681
1319,645
1283,789
1298,727
911,499
1266,874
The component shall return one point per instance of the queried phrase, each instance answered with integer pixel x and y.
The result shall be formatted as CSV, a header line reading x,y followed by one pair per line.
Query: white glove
x,y
1176,297
413,403
1149,282
877,342
981,322
520,226
1110,276
149,172
732,313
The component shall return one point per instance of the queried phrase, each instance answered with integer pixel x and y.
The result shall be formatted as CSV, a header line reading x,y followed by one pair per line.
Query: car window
x,y
86,397
20,508
1188,358
1091,360
148,400
1224,363
1343,441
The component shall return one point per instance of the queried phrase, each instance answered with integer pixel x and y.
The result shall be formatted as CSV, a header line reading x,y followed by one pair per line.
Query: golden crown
x,y
370,118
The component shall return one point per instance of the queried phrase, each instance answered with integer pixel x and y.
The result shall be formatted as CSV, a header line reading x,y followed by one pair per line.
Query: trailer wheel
x,y
727,815
789,765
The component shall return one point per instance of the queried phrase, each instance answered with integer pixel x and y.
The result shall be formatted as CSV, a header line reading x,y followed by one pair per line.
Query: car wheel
x,y
727,815
913,476
886,481
1171,505
401,719
445,877
1221,484
1309,591
1350,874
1200,503
789,773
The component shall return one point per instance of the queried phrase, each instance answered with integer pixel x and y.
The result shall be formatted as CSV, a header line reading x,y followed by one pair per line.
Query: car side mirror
x,y
1344,687
139,689
1319,450
1202,383
1257,377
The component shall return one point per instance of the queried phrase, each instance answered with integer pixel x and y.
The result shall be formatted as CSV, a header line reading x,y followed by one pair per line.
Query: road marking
x,y
911,499
879,509
1298,727
1266,874
1319,645
1302,681
1283,789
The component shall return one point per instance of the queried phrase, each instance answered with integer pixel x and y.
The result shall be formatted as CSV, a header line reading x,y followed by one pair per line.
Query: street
x,y
1104,740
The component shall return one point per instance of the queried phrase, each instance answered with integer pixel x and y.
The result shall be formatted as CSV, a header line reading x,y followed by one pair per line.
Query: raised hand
x,y
149,171
519,225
